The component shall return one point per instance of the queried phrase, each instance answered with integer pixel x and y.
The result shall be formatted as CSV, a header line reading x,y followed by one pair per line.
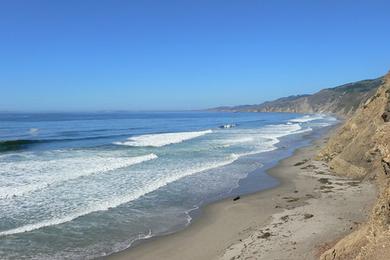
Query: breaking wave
x,y
307,118
29,176
116,201
158,140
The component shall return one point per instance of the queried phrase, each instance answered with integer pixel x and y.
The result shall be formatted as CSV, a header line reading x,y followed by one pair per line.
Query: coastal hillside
x,y
361,149
342,100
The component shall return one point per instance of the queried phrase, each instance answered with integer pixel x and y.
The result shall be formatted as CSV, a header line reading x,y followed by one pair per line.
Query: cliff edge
x,y
361,149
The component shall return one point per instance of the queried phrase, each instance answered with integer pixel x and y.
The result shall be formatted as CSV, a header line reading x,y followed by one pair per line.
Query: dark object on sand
x,y
301,162
307,215
265,235
324,181
285,218
236,198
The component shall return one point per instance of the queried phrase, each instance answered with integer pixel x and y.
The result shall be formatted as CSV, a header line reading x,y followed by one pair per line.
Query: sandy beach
x,y
302,217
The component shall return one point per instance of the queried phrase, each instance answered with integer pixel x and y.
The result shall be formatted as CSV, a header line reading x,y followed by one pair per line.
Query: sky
x,y
172,55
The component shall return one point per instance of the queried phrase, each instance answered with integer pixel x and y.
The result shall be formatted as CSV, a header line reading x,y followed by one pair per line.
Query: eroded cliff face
x,y
342,100
361,149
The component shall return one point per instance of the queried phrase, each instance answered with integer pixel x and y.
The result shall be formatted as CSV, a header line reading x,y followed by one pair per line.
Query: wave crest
x,y
307,118
159,140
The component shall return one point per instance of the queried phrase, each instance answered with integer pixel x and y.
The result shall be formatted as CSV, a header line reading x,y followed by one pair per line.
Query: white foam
x,y
273,133
116,201
158,140
239,140
277,131
141,237
188,213
33,131
263,139
29,176
307,118
228,126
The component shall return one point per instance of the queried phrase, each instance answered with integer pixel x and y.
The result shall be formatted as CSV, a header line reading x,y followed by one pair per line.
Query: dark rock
x,y
285,218
307,216
301,162
237,198
324,181
292,199
386,167
386,116
309,167
265,235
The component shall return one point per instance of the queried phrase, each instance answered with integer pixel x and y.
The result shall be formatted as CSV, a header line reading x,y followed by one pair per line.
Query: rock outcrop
x,y
361,149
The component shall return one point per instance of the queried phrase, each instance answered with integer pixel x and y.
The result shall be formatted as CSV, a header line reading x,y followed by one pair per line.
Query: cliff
x,y
361,149
342,100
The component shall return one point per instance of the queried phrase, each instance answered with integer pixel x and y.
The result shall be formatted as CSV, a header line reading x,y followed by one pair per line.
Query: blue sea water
x,y
83,185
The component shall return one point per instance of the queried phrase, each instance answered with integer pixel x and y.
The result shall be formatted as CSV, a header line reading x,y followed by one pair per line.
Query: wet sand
x,y
303,216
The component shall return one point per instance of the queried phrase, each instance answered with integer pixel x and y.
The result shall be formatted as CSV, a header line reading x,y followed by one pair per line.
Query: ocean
x,y
84,185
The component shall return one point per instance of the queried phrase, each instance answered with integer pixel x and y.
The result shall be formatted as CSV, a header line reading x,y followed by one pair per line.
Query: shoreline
x,y
227,229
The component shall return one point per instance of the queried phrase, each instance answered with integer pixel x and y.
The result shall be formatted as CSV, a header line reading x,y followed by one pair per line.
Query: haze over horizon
x,y
171,55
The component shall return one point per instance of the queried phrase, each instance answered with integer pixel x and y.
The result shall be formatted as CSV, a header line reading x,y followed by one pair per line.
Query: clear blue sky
x,y
142,55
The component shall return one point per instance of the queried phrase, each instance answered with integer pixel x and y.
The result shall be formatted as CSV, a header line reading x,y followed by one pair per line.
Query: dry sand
x,y
306,214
